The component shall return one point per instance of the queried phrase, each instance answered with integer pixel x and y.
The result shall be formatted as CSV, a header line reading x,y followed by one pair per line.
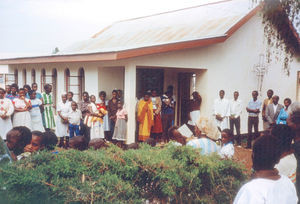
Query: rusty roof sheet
x,y
195,23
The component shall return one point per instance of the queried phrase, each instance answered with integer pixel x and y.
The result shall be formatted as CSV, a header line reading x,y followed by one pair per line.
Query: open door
x,y
184,92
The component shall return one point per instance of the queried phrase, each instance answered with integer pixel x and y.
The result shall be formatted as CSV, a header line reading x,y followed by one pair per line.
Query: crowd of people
x,y
28,124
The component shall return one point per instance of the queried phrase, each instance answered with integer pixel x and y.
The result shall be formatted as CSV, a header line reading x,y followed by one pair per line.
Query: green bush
x,y
171,174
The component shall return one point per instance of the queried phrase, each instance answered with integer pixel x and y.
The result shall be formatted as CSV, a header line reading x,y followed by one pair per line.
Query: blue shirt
x,y
167,109
283,115
11,97
254,105
206,145
38,95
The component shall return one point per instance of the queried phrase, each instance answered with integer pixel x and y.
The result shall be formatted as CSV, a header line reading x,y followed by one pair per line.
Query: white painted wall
x,y
225,66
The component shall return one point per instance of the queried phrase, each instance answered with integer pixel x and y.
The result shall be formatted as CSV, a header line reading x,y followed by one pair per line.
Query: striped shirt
x,y
48,114
206,145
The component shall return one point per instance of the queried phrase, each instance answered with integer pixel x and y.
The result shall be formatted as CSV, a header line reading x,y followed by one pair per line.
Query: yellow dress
x,y
145,119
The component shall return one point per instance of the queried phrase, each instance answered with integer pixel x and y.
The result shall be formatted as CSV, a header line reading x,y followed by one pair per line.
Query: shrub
x,y
170,174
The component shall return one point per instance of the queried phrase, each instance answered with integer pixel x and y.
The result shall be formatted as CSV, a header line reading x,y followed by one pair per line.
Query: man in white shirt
x,y
234,119
221,111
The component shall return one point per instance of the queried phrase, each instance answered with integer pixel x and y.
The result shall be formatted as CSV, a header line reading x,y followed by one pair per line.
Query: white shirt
x,y
74,117
275,107
287,166
64,108
267,191
235,108
6,106
227,151
222,107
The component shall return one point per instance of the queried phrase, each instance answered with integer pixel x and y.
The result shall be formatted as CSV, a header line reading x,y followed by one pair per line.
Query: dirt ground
x,y
244,156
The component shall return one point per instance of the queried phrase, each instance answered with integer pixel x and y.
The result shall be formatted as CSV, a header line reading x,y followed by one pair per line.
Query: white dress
x,y
21,118
227,151
97,129
36,115
5,124
61,128
222,108
287,166
106,119
267,191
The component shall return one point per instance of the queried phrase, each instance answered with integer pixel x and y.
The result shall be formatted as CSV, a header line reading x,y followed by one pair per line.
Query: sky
x,y
36,27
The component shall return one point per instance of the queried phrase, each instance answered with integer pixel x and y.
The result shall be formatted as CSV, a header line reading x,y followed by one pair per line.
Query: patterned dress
x,y
48,114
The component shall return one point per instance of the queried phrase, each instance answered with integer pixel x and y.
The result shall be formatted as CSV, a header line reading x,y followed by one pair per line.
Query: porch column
x,y
130,100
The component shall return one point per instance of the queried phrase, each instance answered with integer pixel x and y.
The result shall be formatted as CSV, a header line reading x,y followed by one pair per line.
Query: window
x,y
54,85
24,76
43,79
81,82
33,79
11,78
67,80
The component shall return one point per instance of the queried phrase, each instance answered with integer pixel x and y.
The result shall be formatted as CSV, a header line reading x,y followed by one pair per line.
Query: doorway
x,y
184,92
148,79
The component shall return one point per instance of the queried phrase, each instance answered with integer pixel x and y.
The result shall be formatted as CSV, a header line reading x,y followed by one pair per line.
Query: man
x,y
221,111
267,102
7,89
272,111
253,109
14,92
235,113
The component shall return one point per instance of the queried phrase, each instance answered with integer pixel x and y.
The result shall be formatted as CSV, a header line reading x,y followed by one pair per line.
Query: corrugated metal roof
x,y
196,23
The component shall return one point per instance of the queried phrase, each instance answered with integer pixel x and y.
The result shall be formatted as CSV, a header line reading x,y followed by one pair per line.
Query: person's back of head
x,y
151,142
79,143
50,140
18,138
285,136
265,153
97,143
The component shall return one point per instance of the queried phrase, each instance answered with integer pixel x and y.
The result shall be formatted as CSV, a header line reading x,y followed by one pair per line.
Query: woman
x,y
267,186
121,124
283,114
48,113
102,96
62,122
145,117
97,112
35,112
22,106
6,110
194,110
288,164
156,130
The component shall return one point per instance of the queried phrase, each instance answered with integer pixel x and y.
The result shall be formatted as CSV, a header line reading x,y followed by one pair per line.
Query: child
x,y
62,122
37,142
227,150
50,140
268,186
48,113
22,106
74,117
121,126
95,118
35,112
17,139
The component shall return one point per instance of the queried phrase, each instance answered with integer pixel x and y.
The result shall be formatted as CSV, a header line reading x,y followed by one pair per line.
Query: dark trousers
x,y
236,122
166,120
296,147
74,129
252,122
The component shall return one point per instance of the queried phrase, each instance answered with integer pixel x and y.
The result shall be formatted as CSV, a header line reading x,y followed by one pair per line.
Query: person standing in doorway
x,y
48,113
253,109
272,111
145,117
167,113
235,119
267,102
104,102
194,110
221,111
156,130
112,111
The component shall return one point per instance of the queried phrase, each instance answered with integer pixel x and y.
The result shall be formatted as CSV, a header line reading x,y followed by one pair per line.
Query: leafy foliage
x,y
170,174
281,26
